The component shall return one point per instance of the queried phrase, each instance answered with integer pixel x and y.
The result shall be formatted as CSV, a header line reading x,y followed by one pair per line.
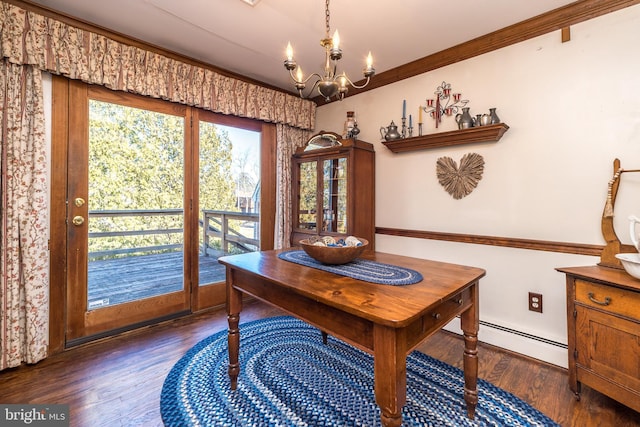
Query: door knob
x,y
78,220
79,201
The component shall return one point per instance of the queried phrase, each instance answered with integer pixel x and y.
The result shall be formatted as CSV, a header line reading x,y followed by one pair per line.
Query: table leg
x,y
469,321
390,374
234,306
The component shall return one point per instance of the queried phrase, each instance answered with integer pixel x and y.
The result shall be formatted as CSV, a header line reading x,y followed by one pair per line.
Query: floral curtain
x,y
31,42
27,37
287,140
24,257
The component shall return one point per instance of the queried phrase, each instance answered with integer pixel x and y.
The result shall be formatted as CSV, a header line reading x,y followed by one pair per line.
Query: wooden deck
x,y
136,277
132,277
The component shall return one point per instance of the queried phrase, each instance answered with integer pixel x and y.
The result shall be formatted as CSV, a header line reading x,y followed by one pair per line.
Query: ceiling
x,y
250,40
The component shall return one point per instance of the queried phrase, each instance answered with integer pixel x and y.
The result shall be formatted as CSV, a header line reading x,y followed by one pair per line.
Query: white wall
x,y
571,108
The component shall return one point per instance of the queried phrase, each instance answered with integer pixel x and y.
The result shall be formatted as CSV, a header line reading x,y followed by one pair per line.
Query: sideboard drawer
x,y
608,298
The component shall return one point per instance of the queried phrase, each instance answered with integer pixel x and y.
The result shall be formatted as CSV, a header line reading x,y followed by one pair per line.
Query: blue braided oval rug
x,y
288,377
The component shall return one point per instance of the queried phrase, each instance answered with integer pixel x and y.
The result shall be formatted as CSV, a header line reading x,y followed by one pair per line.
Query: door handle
x,y
79,201
78,220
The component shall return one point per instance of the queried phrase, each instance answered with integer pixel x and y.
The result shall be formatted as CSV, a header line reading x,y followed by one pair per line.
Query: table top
x,y
393,305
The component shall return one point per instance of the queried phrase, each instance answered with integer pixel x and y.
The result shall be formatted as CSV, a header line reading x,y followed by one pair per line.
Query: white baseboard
x,y
512,340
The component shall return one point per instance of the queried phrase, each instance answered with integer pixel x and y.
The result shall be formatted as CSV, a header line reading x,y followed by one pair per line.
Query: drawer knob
x,y
436,316
606,301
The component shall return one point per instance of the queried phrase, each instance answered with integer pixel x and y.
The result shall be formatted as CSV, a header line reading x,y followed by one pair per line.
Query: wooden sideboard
x,y
603,325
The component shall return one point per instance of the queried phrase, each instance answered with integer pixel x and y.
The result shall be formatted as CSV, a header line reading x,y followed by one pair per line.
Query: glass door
x,y
322,195
136,214
131,222
334,195
308,196
229,189
156,192
126,219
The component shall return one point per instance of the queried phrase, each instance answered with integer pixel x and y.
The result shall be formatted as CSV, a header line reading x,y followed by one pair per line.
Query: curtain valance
x,y
29,38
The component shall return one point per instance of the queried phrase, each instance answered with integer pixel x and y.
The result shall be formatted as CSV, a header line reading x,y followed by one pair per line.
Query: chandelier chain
x,y
327,18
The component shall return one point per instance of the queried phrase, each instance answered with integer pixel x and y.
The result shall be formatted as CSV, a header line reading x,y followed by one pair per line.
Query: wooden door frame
x,y
83,324
209,296
58,214
61,109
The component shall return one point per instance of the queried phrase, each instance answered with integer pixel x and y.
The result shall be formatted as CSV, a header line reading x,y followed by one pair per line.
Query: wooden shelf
x,y
489,133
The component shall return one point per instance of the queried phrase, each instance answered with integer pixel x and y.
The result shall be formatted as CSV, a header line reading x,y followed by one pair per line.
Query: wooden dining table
x,y
386,321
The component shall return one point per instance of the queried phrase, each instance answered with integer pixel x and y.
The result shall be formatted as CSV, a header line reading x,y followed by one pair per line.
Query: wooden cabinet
x,y
603,318
333,190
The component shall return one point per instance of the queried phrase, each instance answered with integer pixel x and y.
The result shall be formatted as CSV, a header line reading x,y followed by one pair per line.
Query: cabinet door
x,y
308,196
609,346
334,195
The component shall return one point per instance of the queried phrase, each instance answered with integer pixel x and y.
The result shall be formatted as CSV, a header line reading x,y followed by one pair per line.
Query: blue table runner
x,y
361,269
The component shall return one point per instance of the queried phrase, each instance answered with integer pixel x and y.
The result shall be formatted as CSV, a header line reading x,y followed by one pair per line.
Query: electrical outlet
x,y
535,302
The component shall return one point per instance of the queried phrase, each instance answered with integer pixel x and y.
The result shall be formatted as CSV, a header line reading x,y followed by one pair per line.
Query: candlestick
x,y
446,103
419,129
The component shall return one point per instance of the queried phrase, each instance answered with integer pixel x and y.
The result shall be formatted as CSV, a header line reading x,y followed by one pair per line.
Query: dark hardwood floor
x,y
117,381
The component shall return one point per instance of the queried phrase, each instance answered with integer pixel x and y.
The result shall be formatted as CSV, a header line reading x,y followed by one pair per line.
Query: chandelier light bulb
x,y
299,74
290,52
336,40
369,70
334,47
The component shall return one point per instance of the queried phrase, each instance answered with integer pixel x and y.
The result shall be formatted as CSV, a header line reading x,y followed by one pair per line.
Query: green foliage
x,y
217,186
136,162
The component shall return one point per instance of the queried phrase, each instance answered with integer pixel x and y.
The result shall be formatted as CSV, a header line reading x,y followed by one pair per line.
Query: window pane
x,y
335,195
229,196
308,195
136,216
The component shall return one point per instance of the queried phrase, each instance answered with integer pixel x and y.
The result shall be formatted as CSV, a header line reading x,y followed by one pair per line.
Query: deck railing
x,y
215,224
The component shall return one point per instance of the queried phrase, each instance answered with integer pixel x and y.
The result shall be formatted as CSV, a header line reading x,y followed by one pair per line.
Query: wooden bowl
x,y
333,255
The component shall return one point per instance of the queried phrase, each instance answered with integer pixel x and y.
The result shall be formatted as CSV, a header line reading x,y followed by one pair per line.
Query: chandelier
x,y
329,83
